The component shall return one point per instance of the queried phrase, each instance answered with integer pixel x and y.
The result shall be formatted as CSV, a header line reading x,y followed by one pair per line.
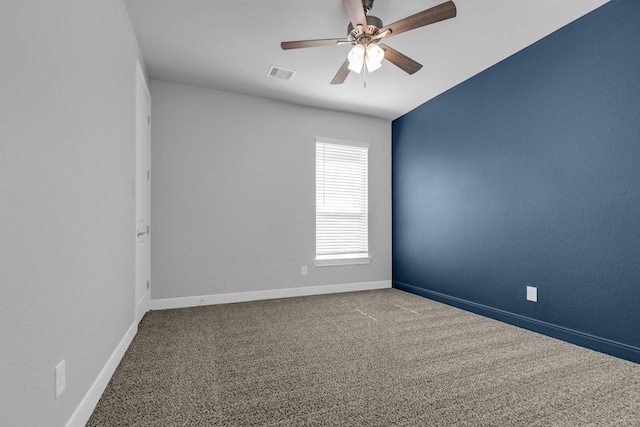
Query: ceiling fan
x,y
365,33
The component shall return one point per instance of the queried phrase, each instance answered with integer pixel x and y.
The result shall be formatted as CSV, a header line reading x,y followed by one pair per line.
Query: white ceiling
x,y
230,45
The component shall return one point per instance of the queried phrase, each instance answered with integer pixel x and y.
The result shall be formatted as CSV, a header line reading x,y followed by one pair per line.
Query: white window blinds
x,y
341,199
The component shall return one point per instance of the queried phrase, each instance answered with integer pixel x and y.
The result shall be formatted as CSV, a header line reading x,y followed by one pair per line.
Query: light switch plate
x,y
532,293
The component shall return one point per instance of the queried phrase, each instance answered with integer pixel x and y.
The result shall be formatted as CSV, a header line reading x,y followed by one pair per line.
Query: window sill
x,y
333,260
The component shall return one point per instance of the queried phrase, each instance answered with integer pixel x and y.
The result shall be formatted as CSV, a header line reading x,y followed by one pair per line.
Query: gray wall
x,y
233,193
67,147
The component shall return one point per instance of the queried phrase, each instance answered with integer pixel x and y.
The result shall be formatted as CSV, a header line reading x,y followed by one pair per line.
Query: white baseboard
x,y
83,412
162,304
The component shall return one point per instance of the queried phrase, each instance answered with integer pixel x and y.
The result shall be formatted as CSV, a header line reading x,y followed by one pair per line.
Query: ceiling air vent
x,y
281,73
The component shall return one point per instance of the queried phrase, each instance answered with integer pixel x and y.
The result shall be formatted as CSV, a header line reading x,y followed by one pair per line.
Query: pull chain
x,y
364,76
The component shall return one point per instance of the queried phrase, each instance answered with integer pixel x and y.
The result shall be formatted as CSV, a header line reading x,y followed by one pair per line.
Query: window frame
x,y
342,258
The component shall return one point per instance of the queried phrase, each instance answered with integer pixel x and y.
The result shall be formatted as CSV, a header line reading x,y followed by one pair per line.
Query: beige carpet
x,y
374,358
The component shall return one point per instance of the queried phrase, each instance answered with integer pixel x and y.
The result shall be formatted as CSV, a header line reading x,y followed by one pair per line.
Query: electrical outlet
x,y
532,293
60,378
304,271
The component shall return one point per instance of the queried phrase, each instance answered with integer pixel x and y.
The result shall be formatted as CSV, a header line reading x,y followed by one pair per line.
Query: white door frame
x,y
142,188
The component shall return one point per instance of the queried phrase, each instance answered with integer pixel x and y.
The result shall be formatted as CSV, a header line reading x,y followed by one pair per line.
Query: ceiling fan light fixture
x,y
365,31
356,58
374,57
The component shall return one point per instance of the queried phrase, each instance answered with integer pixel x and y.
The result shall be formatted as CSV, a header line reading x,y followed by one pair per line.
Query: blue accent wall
x,y
529,174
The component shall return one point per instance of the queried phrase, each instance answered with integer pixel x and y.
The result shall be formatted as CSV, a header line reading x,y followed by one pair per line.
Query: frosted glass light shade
x,y
374,56
356,58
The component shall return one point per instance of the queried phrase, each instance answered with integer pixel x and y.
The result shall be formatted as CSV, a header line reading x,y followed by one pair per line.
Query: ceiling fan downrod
x,y
367,5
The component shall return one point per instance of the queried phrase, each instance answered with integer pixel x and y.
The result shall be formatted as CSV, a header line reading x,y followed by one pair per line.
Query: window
x,y
342,225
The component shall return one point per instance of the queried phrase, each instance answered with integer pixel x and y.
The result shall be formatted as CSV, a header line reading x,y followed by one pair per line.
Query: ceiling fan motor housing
x,y
373,26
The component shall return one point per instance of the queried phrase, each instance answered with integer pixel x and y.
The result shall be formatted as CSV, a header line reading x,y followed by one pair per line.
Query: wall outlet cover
x,y
532,293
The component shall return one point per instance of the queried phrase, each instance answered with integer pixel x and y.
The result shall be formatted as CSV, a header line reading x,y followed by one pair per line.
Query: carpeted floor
x,y
374,358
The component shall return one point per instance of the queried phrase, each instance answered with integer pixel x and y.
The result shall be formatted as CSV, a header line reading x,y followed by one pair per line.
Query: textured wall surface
x,y
528,174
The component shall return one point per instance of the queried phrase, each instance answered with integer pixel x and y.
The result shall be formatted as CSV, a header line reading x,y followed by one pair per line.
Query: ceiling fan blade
x,y
311,43
342,74
401,61
355,10
435,14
